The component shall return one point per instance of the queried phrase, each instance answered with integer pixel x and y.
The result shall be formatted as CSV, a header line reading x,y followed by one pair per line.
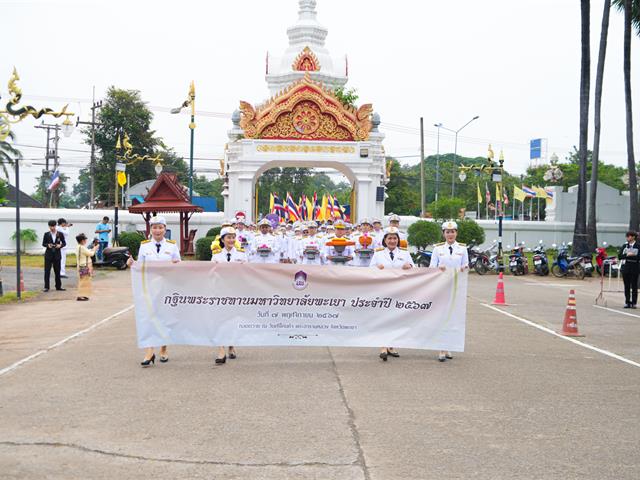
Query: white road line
x,y
568,339
616,311
63,341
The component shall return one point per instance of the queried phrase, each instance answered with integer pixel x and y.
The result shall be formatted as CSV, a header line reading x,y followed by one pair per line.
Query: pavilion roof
x,y
166,195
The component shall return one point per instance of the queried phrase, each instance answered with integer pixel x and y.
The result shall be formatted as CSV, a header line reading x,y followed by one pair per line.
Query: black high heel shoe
x,y
383,356
146,363
220,361
393,353
232,355
164,359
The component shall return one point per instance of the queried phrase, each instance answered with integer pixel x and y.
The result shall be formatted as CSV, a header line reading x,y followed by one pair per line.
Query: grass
x,y
10,297
35,261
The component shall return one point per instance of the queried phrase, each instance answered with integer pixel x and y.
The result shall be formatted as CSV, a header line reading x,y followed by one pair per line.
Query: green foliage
x,y
635,12
8,153
347,97
209,188
446,208
131,240
28,235
403,190
203,248
3,192
124,111
214,232
423,233
469,231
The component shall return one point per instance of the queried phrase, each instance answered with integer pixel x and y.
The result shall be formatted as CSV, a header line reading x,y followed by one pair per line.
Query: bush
x,y
214,232
446,208
131,240
203,248
423,233
469,231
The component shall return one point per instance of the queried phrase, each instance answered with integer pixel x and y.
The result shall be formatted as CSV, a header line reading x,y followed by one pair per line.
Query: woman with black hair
x,y
228,254
391,256
629,255
83,256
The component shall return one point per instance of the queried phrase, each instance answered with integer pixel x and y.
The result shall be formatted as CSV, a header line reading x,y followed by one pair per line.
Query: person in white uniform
x,y
63,228
391,256
372,244
267,243
243,235
394,221
228,254
311,246
157,249
449,254
330,252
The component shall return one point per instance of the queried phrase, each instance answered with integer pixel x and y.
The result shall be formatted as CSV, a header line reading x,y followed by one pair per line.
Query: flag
x,y
529,192
479,194
338,208
325,210
498,192
316,207
303,208
550,193
278,207
292,209
540,192
518,194
55,181
271,203
309,207
506,198
487,193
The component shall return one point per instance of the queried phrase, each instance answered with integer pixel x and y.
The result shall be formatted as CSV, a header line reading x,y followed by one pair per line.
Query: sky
x,y
515,64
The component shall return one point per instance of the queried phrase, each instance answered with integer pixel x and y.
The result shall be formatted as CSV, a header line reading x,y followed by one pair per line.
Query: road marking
x,y
63,341
616,311
568,339
561,285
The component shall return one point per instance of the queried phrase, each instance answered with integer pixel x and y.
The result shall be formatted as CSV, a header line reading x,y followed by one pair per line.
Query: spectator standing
x,y
53,242
103,229
629,254
84,254
63,227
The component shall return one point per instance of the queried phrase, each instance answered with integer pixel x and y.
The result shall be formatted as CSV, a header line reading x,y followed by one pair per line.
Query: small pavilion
x,y
167,195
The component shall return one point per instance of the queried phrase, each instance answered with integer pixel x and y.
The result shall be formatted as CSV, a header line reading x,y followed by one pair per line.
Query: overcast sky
x,y
516,64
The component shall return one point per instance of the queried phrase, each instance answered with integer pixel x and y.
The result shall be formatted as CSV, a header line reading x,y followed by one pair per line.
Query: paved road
x,y
520,403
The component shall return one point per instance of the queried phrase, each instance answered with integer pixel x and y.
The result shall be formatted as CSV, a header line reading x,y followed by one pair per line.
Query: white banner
x,y
198,303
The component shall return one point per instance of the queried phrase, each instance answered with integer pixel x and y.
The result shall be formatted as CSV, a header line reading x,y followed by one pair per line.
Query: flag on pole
x,y
271,205
316,207
309,207
529,192
55,181
292,209
338,208
506,198
479,194
518,194
540,192
278,207
487,193
550,193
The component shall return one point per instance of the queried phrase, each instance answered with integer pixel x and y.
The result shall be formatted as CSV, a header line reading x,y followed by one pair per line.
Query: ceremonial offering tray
x,y
243,241
311,252
264,250
339,244
365,252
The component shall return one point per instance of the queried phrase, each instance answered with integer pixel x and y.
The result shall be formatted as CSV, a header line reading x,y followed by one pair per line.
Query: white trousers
x,y
63,261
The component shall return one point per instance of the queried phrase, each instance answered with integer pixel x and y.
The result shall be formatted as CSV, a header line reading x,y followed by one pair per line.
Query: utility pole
x,y
421,168
51,153
92,165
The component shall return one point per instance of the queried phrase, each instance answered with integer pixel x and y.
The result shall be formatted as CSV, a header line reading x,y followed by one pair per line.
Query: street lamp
x,y
190,101
12,115
496,170
455,151
67,127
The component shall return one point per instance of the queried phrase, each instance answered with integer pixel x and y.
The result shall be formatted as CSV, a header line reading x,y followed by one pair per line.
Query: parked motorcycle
x,y
587,263
565,265
473,252
487,260
540,260
606,265
114,257
518,263
422,258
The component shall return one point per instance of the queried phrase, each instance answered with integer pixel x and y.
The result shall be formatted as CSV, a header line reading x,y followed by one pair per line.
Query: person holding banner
x,y
391,256
449,254
157,249
228,253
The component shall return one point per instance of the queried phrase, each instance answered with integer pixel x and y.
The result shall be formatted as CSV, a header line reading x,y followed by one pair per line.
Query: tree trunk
x,y
580,243
592,227
633,181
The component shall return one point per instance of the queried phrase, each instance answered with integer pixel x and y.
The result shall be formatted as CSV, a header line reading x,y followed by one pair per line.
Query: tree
x,y
591,221
423,233
580,241
403,190
209,188
27,235
3,192
347,97
56,198
8,154
123,111
446,208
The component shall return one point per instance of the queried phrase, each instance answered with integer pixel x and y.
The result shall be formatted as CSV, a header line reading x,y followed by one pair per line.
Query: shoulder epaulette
x,y
240,249
462,244
171,241
403,248
379,249
439,244
144,241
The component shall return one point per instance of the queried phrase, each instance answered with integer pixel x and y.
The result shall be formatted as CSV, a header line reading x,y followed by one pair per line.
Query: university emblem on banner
x,y
300,280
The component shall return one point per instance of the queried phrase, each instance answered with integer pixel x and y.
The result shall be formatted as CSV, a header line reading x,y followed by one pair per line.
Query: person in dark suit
x,y
629,253
53,242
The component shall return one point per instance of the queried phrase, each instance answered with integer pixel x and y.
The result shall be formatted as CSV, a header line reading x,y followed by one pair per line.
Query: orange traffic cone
x,y
499,300
570,325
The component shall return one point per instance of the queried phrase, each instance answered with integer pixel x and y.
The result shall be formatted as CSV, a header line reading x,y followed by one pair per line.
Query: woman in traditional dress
x,y
84,266
228,254
391,256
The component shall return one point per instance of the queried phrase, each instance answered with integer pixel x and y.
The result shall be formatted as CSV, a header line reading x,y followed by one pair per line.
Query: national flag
x,y
487,193
550,193
302,207
55,181
271,203
338,208
316,207
309,207
292,209
479,194
506,198
518,194
278,207
540,192
529,192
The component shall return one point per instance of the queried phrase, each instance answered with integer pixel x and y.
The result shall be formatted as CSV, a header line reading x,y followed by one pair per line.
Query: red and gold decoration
x,y
306,111
306,61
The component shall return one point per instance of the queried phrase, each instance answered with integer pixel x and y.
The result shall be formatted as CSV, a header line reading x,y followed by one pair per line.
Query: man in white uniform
x,y
311,246
449,254
63,228
267,243
394,221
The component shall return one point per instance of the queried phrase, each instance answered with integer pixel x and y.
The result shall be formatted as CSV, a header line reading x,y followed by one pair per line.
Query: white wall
x,y
85,221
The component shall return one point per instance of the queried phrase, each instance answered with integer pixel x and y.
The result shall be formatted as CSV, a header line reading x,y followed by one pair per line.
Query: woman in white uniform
x,y
449,254
228,254
391,256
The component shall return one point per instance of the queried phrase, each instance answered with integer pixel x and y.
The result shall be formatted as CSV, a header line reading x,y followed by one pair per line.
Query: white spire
x,y
307,30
